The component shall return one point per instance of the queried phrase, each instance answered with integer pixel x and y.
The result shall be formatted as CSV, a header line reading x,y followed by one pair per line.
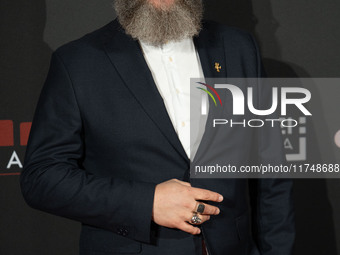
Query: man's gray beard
x,y
157,26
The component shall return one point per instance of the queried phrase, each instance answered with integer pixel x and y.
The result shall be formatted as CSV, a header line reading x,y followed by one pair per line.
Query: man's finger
x,y
186,227
204,194
207,209
203,218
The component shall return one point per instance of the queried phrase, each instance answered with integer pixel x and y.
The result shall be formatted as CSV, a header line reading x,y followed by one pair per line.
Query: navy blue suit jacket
x,y
101,140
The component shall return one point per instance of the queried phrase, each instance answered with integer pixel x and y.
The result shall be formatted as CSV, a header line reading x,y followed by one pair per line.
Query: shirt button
x,y
170,59
122,231
183,124
177,91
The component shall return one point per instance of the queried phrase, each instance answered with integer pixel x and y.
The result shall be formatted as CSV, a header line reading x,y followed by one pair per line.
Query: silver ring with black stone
x,y
200,208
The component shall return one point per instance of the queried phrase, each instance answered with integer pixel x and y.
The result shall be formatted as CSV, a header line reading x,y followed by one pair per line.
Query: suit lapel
x,y
127,57
210,48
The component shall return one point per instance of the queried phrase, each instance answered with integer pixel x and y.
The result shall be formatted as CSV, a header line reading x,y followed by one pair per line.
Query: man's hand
x,y
175,201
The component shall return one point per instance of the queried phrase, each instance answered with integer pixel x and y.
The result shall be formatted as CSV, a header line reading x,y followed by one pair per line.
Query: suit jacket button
x,y
119,231
125,232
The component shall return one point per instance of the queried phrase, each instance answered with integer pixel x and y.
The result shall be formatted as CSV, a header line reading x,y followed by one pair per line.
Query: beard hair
x,y
158,25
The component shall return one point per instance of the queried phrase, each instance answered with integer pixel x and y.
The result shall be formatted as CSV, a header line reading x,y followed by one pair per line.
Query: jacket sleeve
x,y
53,179
271,199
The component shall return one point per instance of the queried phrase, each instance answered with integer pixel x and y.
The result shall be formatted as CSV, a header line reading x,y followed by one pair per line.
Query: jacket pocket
x,y
100,240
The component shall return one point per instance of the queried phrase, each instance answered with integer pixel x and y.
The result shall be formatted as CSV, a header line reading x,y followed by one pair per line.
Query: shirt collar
x,y
169,47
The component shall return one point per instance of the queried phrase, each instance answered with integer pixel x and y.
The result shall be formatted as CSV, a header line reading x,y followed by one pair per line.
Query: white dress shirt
x,y
172,65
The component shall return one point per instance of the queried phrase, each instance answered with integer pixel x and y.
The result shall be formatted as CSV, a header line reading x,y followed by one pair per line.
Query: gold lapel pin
x,y
218,67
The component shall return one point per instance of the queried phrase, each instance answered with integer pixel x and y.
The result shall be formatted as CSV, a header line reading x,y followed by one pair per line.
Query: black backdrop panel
x,y
297,39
